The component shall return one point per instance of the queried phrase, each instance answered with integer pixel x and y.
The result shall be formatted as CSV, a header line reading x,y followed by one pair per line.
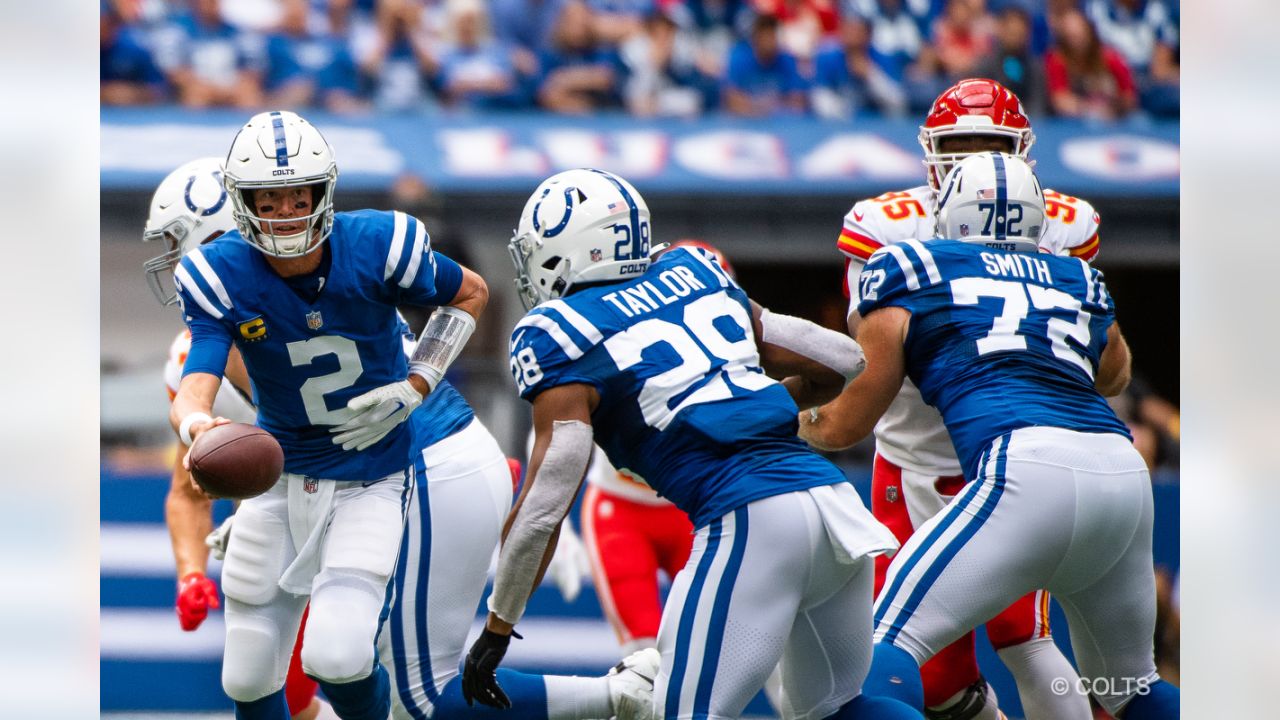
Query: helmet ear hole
x,y
551,263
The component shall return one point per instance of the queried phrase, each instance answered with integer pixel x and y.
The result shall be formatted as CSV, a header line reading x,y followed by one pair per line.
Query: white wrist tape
x,y
447,331
835,350
184,429
550,496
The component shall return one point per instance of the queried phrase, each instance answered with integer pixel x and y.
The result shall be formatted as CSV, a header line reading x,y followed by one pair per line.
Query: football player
x,y
1017,349
915,470
631,534
662,363
188,209
378,447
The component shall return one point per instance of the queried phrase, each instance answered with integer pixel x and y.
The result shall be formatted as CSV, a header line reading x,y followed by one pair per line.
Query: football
x,y
236,461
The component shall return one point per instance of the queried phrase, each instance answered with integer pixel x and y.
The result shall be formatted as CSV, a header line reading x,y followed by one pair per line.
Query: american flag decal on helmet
x,y
987,194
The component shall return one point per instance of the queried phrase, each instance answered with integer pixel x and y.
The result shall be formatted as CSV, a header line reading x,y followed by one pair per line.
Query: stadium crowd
x,y
834,59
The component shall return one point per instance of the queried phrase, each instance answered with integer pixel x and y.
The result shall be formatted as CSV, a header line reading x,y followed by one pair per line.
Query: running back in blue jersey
x,y
998,340
684,403
307,357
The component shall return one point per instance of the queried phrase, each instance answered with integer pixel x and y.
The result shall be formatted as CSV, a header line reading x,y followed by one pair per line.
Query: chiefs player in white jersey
x,y
916,471
188,209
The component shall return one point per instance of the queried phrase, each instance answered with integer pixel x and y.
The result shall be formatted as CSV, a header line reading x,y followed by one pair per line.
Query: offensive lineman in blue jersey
x,y
1016,350
309,299
662,364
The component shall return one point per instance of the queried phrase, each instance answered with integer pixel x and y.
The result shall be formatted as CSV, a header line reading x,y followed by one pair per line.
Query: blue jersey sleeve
x,y
543,356
892,273
410,267
203,302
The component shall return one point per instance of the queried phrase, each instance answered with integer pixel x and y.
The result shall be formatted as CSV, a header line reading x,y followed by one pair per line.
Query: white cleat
x,y
631,685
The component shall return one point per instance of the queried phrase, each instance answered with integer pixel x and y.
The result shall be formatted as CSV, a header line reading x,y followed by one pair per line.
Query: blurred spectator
x,y
1145,34
921,12
1085,77
618,20
898,46
1012,63
664,77
525,26
208,62
803,23
401,57
579,73
962,37
847,80
762,78
475,71
306,67
718,24
128,75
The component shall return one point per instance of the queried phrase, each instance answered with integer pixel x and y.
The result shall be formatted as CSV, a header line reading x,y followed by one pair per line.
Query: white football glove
x,y
377,412
216,541
569,564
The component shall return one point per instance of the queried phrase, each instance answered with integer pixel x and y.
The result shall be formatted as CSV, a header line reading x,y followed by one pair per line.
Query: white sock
x,y
1047,683
571,697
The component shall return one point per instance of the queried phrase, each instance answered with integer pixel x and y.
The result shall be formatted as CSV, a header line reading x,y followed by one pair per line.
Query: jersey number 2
x,y
303,352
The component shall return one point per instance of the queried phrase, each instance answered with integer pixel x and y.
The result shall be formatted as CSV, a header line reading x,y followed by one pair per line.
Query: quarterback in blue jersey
x,y
308,297
1016,349
662,362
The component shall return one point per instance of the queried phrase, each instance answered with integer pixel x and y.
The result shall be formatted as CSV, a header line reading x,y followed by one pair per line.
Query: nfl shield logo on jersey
x,y
314,321
891,493
310,486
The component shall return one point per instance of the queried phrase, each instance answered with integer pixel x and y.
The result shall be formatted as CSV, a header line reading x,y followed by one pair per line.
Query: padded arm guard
x,y
554,487
447,331
835,350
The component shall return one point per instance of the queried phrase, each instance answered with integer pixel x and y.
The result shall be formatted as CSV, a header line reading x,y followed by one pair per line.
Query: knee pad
x,y
338,645
250,664
255,557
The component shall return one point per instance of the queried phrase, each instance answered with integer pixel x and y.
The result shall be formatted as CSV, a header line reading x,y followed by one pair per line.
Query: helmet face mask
x,y
188,209
277,150
992,199
973,108
579,227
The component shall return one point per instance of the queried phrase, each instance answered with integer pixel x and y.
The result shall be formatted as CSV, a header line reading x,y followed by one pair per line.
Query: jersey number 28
x,y
702,338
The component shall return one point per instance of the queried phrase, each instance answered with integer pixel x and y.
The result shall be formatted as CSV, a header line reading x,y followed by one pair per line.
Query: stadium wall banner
x,y
511,153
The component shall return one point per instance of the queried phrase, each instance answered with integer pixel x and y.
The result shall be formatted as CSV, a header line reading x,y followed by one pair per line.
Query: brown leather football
x,y
236,461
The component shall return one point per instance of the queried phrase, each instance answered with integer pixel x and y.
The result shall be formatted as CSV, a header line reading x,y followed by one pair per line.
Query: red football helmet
x,y
972,107
708,247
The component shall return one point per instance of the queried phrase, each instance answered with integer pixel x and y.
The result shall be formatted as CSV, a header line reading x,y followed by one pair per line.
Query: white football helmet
x,y
188,209
579,227
992,199
274,150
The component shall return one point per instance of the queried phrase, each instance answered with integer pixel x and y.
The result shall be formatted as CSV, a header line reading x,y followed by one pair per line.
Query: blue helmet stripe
x,y
634,214
282,147
1002,198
